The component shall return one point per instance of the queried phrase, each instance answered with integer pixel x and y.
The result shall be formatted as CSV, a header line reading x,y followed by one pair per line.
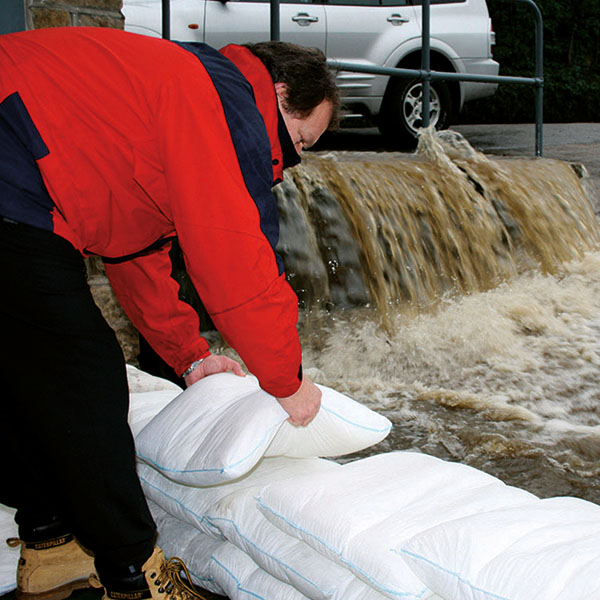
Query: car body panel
x,y
240,22
145,17
462,25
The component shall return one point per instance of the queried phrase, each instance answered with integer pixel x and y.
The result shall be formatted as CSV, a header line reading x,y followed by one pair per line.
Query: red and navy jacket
x,y
119,142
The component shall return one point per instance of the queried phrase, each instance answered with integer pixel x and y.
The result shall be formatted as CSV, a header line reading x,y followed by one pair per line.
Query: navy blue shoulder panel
x,y
248,134
23,194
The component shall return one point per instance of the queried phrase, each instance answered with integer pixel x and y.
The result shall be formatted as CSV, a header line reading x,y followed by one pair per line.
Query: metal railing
x,y
425,73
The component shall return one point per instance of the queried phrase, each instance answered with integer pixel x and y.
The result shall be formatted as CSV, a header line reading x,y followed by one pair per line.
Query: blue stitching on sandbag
x,y
357,425
209,470
277,560
237,581
342,559
453,573
201,518
201,577
159,467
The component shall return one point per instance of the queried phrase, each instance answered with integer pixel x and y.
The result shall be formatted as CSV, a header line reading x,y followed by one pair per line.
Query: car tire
x,y
400,118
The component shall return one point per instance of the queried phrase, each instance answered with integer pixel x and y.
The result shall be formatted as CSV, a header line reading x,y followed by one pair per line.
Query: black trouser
x,y
65,444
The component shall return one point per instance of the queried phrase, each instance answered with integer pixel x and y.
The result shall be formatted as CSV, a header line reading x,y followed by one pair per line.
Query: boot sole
x,y
59,593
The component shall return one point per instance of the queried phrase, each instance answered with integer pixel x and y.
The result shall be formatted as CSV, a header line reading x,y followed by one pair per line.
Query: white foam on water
x,y
511,372
532,344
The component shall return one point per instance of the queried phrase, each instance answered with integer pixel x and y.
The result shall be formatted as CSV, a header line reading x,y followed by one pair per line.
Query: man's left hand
x,y
214,363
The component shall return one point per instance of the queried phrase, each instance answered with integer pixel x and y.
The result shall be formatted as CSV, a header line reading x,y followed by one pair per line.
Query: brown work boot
x,y
51,569
159,579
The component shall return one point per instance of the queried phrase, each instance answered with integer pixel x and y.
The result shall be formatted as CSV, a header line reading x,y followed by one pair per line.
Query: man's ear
x,y
281,90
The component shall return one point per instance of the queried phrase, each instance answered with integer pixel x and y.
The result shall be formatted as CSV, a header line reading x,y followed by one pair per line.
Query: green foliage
x,y
571,63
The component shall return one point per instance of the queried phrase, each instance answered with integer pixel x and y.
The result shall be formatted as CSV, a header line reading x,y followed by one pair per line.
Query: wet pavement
x,y
574,142
571,142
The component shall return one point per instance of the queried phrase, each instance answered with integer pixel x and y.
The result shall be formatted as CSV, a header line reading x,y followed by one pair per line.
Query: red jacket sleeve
x,y
150,297
228,257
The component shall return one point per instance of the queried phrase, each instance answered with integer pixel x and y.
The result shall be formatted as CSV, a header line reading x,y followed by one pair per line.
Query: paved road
x,y
573,142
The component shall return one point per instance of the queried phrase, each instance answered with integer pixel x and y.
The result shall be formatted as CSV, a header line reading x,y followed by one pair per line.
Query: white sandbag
x,y
193,504
235,517
215,431
241,578
140,381
144,406
288,559
217,565
148,395
221,426
9,557
177,538
233,571
359,514
341,426
549,550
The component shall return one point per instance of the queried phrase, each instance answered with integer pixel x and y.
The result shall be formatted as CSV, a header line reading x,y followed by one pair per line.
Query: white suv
x,y
383,33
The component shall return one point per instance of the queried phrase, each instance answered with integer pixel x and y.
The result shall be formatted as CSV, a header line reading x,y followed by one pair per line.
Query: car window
x,y
419,2
280,1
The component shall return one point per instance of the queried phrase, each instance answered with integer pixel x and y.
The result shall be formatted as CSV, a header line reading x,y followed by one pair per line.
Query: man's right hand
x,y
304,404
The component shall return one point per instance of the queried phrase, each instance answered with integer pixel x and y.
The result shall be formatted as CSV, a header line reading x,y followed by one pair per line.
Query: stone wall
x,y
83,13
115,316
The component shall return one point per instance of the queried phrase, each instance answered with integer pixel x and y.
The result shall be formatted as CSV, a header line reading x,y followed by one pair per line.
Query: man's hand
x,y
303,405
214,363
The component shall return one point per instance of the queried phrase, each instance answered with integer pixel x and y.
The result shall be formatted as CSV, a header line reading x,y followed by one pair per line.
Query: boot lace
x,y
170,582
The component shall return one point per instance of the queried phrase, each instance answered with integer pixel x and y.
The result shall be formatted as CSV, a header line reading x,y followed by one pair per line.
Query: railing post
x,y
426,63
275,31
166,19
539,74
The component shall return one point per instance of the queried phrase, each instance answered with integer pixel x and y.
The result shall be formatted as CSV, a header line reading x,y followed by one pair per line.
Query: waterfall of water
x,y
398,231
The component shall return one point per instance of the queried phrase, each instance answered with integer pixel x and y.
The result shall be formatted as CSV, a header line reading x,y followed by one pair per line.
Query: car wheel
x,y
401,112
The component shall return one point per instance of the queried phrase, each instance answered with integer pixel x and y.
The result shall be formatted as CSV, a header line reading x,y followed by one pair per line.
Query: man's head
x,y
305,86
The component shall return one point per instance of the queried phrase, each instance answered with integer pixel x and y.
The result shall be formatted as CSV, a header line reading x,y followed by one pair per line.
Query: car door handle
x,y
304,19
397,19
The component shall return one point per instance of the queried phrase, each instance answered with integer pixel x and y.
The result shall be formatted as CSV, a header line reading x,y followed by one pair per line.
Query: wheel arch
x,y
438,62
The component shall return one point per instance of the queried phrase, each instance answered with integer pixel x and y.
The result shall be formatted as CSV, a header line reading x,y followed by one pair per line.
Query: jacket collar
x,y
283,153
290,156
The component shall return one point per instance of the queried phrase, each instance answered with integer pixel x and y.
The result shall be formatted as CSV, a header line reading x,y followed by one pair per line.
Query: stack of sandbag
x,y
256,511
9,557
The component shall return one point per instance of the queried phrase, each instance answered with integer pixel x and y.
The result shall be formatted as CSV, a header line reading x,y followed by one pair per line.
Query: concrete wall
x,y
83,13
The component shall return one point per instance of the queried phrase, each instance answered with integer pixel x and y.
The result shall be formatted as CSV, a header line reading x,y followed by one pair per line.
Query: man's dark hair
x,y
306,74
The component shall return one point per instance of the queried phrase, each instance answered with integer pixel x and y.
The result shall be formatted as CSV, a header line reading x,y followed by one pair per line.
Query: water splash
x,y
507,380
